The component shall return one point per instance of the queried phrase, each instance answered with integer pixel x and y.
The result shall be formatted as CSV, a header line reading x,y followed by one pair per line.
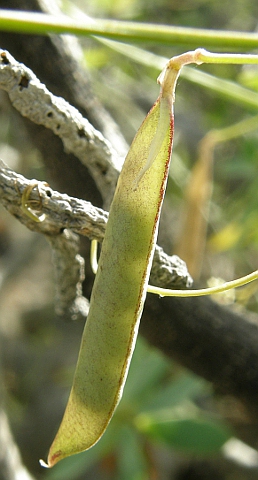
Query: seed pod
x,y
120,286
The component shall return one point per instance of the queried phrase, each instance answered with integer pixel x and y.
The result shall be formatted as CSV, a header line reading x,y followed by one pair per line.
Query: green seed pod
x,y
120,286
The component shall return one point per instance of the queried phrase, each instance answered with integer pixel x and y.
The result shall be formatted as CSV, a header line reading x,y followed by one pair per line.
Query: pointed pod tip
x,y
43,464
51,460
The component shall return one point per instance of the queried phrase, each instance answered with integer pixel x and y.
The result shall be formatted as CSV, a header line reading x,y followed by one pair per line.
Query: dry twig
x,y
34,101
63,213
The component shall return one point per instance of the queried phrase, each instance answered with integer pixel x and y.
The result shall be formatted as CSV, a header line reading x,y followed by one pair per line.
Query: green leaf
x,y
141,386
192,435
131,460
184,388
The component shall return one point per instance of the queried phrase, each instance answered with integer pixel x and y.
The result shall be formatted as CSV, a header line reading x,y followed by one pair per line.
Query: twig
x,y
64,212
34,101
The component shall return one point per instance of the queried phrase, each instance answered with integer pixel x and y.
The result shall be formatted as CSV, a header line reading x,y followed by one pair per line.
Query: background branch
x,y
11,467
32,99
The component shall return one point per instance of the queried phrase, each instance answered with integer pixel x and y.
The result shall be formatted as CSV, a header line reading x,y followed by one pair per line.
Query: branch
x,y
69,275
33,100
61,210
65,215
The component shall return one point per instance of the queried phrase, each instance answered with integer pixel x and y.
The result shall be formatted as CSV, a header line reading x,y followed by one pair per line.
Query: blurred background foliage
x,y
168,420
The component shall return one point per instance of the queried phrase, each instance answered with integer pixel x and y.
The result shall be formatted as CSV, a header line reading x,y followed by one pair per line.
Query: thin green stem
x,y
224,88
239,282
200,55
203,56
30,22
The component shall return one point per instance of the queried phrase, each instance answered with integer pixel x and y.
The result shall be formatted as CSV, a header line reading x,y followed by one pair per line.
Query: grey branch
x,y
34,101
69,273
11,467
81,217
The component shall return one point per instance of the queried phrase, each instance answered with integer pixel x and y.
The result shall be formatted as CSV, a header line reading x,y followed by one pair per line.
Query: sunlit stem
x,y
239,282
203,56
200,55
164,292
